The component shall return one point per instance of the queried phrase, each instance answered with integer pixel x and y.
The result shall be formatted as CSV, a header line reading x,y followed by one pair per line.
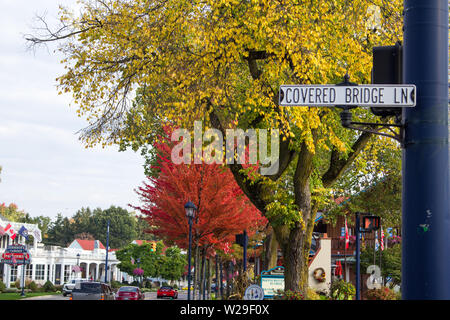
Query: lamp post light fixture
x,y
190,214
78,259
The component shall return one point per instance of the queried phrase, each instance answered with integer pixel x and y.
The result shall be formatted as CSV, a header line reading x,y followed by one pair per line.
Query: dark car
x,y
92,291
167,291
129,293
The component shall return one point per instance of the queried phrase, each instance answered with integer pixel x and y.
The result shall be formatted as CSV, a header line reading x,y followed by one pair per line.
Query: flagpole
x,y
107,245
345,250
374,246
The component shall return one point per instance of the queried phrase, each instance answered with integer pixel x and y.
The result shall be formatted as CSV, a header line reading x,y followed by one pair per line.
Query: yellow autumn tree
x,y
222,62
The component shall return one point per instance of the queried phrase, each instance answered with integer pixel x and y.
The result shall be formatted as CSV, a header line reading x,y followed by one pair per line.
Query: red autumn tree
x,y
223,209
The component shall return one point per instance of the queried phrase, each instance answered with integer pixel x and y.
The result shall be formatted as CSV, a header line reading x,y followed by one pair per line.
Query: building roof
x,y
89,244
140,242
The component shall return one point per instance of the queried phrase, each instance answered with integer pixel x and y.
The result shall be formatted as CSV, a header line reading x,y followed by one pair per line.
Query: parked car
x,y
167,291
129,293
92,290
68,286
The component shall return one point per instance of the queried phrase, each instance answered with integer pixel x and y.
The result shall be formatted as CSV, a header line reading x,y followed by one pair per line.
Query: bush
x,y
342,290
32,286
312,295
116,284
48,287
384,293
2,286
289,295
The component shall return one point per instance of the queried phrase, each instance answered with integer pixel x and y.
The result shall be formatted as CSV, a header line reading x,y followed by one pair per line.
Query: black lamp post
x,y
190,214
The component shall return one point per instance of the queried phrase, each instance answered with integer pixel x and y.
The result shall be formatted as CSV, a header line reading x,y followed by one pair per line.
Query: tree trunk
x,y
295,249
270,251
208,278
202,277
196,271
221,278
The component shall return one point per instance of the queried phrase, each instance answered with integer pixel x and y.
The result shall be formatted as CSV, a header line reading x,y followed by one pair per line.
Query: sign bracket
x,y
346,120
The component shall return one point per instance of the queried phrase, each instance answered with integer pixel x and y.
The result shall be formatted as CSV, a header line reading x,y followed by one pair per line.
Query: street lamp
x,y
190,214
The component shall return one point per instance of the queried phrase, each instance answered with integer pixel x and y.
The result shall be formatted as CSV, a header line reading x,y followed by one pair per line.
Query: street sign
x,y
385,95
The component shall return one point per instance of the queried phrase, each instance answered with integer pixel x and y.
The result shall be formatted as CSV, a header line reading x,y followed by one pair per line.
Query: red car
x,y
167,291
129,293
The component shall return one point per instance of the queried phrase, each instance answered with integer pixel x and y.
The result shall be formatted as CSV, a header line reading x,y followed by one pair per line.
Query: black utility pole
x,y
425,199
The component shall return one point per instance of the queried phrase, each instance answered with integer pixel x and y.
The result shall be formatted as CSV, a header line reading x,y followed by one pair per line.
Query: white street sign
x,y
386,95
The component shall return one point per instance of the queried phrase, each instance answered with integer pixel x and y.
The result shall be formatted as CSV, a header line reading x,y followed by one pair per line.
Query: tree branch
x,y
338,164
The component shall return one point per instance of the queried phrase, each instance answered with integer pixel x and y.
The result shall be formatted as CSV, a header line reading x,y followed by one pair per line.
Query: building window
x,y
48,272
67,270
40,272
29,271
13,277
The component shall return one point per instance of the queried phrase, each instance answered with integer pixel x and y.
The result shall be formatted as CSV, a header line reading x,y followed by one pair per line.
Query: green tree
x,y
150,261
391,262
12,212
122,228
60,232
174,263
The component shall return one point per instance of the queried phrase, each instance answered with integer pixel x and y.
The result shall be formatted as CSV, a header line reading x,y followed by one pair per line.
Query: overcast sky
x,y
46,169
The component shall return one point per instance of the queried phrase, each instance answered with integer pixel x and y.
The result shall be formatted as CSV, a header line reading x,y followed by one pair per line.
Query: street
x,y
182,295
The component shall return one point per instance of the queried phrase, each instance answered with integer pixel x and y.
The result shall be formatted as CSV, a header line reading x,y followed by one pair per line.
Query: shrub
x,y
116,284
342,290
48,287
32,286
2,286
289,295
384,293
312,294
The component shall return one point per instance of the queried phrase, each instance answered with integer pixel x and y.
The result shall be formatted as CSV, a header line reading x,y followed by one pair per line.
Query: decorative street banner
x,y
272,280
385,95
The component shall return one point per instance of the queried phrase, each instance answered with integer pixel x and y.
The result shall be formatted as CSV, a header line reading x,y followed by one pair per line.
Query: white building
x,y
58,264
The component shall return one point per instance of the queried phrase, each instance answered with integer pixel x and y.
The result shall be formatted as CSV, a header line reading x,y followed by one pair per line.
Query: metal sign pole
x,y
425,165
23,276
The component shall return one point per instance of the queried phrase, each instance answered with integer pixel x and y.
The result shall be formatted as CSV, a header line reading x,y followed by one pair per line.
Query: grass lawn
x,y
17,296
